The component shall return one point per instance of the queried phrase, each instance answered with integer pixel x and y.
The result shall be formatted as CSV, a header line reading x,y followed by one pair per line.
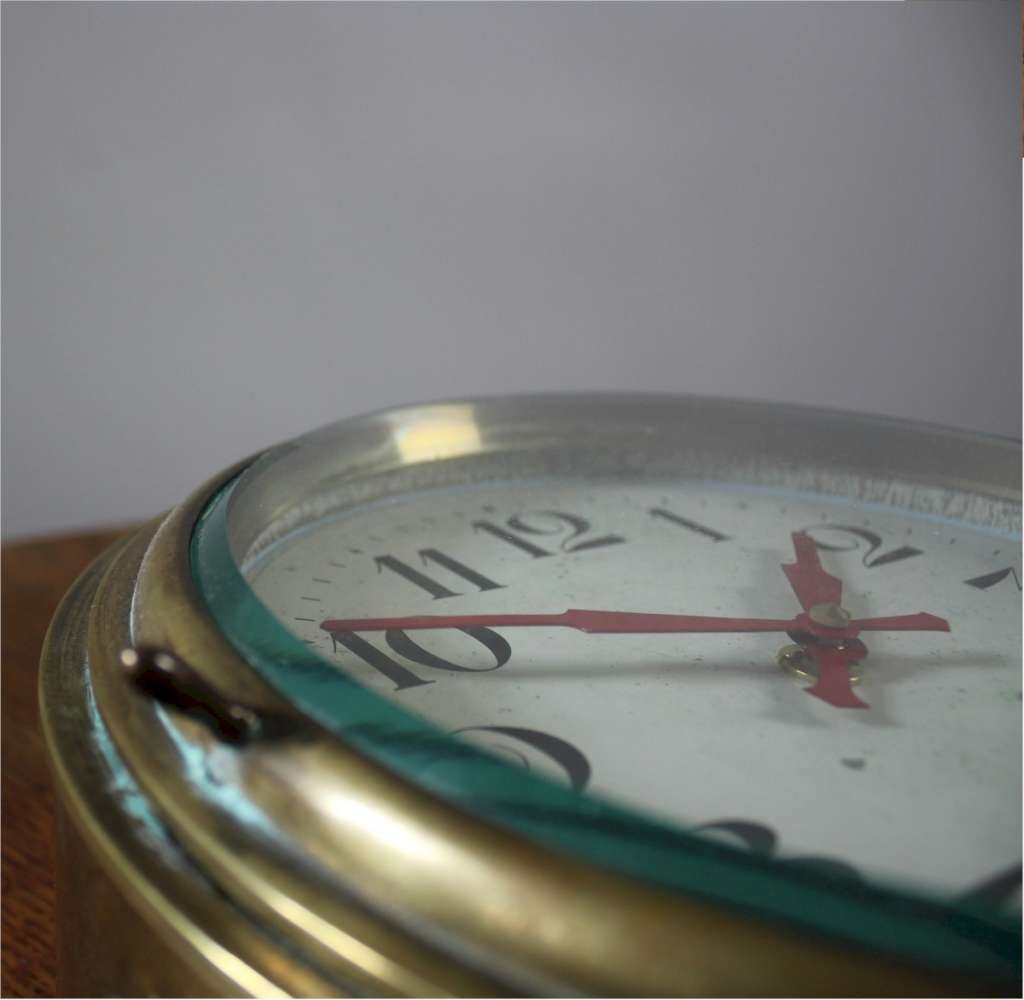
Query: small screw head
x,y
793,658
829,615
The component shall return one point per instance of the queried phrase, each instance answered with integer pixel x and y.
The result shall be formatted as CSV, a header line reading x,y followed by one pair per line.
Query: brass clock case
x,y
360,881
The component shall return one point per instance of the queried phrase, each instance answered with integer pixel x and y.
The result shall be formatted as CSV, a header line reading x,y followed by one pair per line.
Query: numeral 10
x,y
400,643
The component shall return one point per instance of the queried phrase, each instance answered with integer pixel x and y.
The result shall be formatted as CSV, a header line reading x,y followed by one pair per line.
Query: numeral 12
x,y
568,531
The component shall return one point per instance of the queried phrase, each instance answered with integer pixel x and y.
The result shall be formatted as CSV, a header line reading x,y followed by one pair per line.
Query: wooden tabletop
x,y
36,574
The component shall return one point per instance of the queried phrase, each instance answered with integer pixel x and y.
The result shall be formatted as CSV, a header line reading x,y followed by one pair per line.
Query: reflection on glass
x,y
437,432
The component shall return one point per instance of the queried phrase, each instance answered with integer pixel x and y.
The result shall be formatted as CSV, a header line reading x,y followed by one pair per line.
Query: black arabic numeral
x,y
400,676
757,838
495,644
860,538
550,524
400,643
991,579
506,536
762,841
701,529
429,584
562,752
998,890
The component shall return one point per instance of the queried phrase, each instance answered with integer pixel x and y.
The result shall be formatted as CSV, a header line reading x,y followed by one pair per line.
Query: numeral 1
x,y
667,515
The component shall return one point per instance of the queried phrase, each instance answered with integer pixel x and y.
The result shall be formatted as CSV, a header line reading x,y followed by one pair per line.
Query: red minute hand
x,y
585,621
921,622
832,684
640,622
811,584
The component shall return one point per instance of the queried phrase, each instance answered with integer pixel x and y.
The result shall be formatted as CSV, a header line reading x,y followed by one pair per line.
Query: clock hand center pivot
x,y
829,615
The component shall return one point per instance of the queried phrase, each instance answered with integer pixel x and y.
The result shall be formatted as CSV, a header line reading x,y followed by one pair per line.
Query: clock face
x,y
915,782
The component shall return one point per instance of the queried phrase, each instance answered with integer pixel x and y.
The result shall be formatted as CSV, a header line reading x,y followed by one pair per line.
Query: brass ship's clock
x,y
554,695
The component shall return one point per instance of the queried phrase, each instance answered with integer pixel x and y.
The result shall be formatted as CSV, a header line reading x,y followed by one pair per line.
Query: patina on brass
x,y
135,917
369,884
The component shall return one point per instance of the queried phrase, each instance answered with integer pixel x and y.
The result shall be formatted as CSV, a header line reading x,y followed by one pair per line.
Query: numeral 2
x,y
861,538
991,579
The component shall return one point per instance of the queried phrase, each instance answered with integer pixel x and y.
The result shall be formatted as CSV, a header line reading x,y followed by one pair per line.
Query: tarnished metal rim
x,y
202,926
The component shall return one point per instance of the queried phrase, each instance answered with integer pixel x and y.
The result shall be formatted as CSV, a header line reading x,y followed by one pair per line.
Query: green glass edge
x,y
968,938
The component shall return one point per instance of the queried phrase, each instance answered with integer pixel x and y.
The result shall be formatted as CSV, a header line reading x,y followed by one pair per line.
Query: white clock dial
x,y
705,730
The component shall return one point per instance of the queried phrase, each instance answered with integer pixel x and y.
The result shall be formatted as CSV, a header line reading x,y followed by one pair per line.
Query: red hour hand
x,y
833,682
811,584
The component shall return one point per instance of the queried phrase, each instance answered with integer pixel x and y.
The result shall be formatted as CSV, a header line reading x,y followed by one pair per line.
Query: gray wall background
x,y
224,225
